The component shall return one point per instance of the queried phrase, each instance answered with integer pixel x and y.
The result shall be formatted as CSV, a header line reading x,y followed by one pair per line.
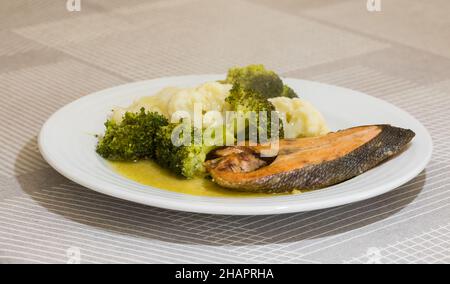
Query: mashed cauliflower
x,y
211,96
302,119
157,103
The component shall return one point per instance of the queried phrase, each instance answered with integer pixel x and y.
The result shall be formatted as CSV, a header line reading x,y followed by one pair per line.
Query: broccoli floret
x,y
260,80
255,77
183,160
133,138
288,92
244,101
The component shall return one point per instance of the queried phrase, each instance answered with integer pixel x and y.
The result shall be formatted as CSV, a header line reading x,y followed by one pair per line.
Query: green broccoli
x,y
288,92
133,138
245,101
260,80
148,135
183,160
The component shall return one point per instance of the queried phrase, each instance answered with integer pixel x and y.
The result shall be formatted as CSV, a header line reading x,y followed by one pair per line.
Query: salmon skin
x,y
308,163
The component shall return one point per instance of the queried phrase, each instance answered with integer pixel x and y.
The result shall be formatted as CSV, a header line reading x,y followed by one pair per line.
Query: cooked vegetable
x,y
182,160
131,139
210,95
260,80
302,119
288,92
244,101
134,134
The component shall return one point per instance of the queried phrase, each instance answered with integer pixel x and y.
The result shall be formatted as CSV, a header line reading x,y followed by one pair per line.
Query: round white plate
x,y
68,144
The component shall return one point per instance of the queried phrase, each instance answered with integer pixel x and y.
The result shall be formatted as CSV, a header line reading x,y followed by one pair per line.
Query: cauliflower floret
x,y
210,96
302,119
157,103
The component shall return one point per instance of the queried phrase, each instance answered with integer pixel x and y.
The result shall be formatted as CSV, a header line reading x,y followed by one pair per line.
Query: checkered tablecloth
x,y
50,57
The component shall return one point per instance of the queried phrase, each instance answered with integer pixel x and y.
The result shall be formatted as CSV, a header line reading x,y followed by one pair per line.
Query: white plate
x,y
67,142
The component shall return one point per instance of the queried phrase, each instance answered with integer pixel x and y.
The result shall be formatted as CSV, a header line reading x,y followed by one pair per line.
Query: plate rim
x,y
201,207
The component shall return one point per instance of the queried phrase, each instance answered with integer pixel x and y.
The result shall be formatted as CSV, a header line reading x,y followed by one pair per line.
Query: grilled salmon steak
x,y
307,163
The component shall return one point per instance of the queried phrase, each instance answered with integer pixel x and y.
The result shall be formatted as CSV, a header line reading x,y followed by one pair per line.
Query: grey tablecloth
x,y
50,56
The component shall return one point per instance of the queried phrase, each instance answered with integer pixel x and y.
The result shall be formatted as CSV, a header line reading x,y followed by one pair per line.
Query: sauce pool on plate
x,y
150,174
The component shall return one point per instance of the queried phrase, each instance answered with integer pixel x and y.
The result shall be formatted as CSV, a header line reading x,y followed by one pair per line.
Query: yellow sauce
x,y
149,173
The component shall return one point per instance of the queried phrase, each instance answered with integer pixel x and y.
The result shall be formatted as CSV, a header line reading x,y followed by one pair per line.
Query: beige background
x,y
49,57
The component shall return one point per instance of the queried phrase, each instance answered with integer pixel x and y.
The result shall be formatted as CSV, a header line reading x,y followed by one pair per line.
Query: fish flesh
x,y
307,163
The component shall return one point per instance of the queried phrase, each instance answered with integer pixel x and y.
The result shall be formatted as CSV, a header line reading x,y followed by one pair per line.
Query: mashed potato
x,y
303,120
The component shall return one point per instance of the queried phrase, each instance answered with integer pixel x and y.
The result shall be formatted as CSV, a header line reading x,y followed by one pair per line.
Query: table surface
x,y
50,57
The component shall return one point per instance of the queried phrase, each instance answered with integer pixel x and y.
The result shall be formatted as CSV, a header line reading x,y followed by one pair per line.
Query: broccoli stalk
x,y
133,138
